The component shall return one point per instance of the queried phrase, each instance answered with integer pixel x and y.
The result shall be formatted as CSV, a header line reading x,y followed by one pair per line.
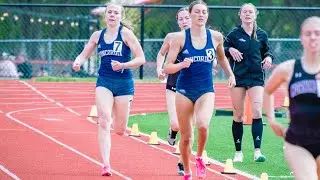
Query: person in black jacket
x,y
248,51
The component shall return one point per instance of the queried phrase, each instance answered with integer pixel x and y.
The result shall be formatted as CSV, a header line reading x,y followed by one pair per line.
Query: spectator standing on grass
x,y
249,54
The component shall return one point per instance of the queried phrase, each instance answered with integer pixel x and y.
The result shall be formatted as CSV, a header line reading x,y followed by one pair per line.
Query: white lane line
x,y
9,173
193,152
37,98
170,153
49,99
213,161
52,119
46,102
8,129
64,132
9,115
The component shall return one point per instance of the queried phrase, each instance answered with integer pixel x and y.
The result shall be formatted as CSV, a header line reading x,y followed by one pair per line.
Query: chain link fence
x,y
43,40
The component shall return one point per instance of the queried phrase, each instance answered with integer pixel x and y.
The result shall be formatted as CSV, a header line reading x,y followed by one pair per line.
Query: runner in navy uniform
x,y
184,22
196,49
115,86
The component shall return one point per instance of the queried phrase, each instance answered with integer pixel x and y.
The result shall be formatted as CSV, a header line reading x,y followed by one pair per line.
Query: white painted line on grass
x,y
282,177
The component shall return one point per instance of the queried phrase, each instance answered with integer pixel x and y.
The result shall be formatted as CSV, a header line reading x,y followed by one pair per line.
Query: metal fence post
x,y
142,36
49,57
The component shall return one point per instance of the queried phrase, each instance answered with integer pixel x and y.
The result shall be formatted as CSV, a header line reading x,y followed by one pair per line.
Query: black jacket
x,y
254,51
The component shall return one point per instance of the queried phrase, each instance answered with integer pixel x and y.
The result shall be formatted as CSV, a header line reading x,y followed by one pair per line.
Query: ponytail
x,y
127,25
254,32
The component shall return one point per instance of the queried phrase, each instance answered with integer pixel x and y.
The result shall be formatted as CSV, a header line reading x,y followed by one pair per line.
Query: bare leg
x,y
185,112
301,162
204,109
104,101
121,113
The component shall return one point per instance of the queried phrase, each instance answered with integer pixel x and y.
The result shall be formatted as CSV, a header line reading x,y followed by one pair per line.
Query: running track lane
x,y
151,93
65,135
134,159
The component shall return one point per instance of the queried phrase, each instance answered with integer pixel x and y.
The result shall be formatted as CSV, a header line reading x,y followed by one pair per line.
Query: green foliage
x,y
26,29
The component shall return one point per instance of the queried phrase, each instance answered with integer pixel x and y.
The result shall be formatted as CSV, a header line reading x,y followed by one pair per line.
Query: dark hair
x,y
181,9
125,24
255,25
195,3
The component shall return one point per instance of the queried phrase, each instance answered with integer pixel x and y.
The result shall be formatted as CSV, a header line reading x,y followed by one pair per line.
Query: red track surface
x,y
47,136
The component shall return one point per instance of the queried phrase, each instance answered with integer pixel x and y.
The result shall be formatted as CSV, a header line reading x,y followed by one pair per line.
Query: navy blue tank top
x,y
304,96
199,73
118,51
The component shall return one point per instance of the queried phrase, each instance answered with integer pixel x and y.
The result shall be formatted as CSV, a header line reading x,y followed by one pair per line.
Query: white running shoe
x,y
238,157
258,157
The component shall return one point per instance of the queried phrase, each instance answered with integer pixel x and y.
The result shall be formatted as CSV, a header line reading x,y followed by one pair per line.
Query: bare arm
x,y
176,46
221,58
281,74
88,49
131,40
162,52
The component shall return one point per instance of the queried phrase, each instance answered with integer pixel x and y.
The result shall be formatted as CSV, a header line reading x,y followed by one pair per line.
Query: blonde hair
x,y
255,25
311,19
125,24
